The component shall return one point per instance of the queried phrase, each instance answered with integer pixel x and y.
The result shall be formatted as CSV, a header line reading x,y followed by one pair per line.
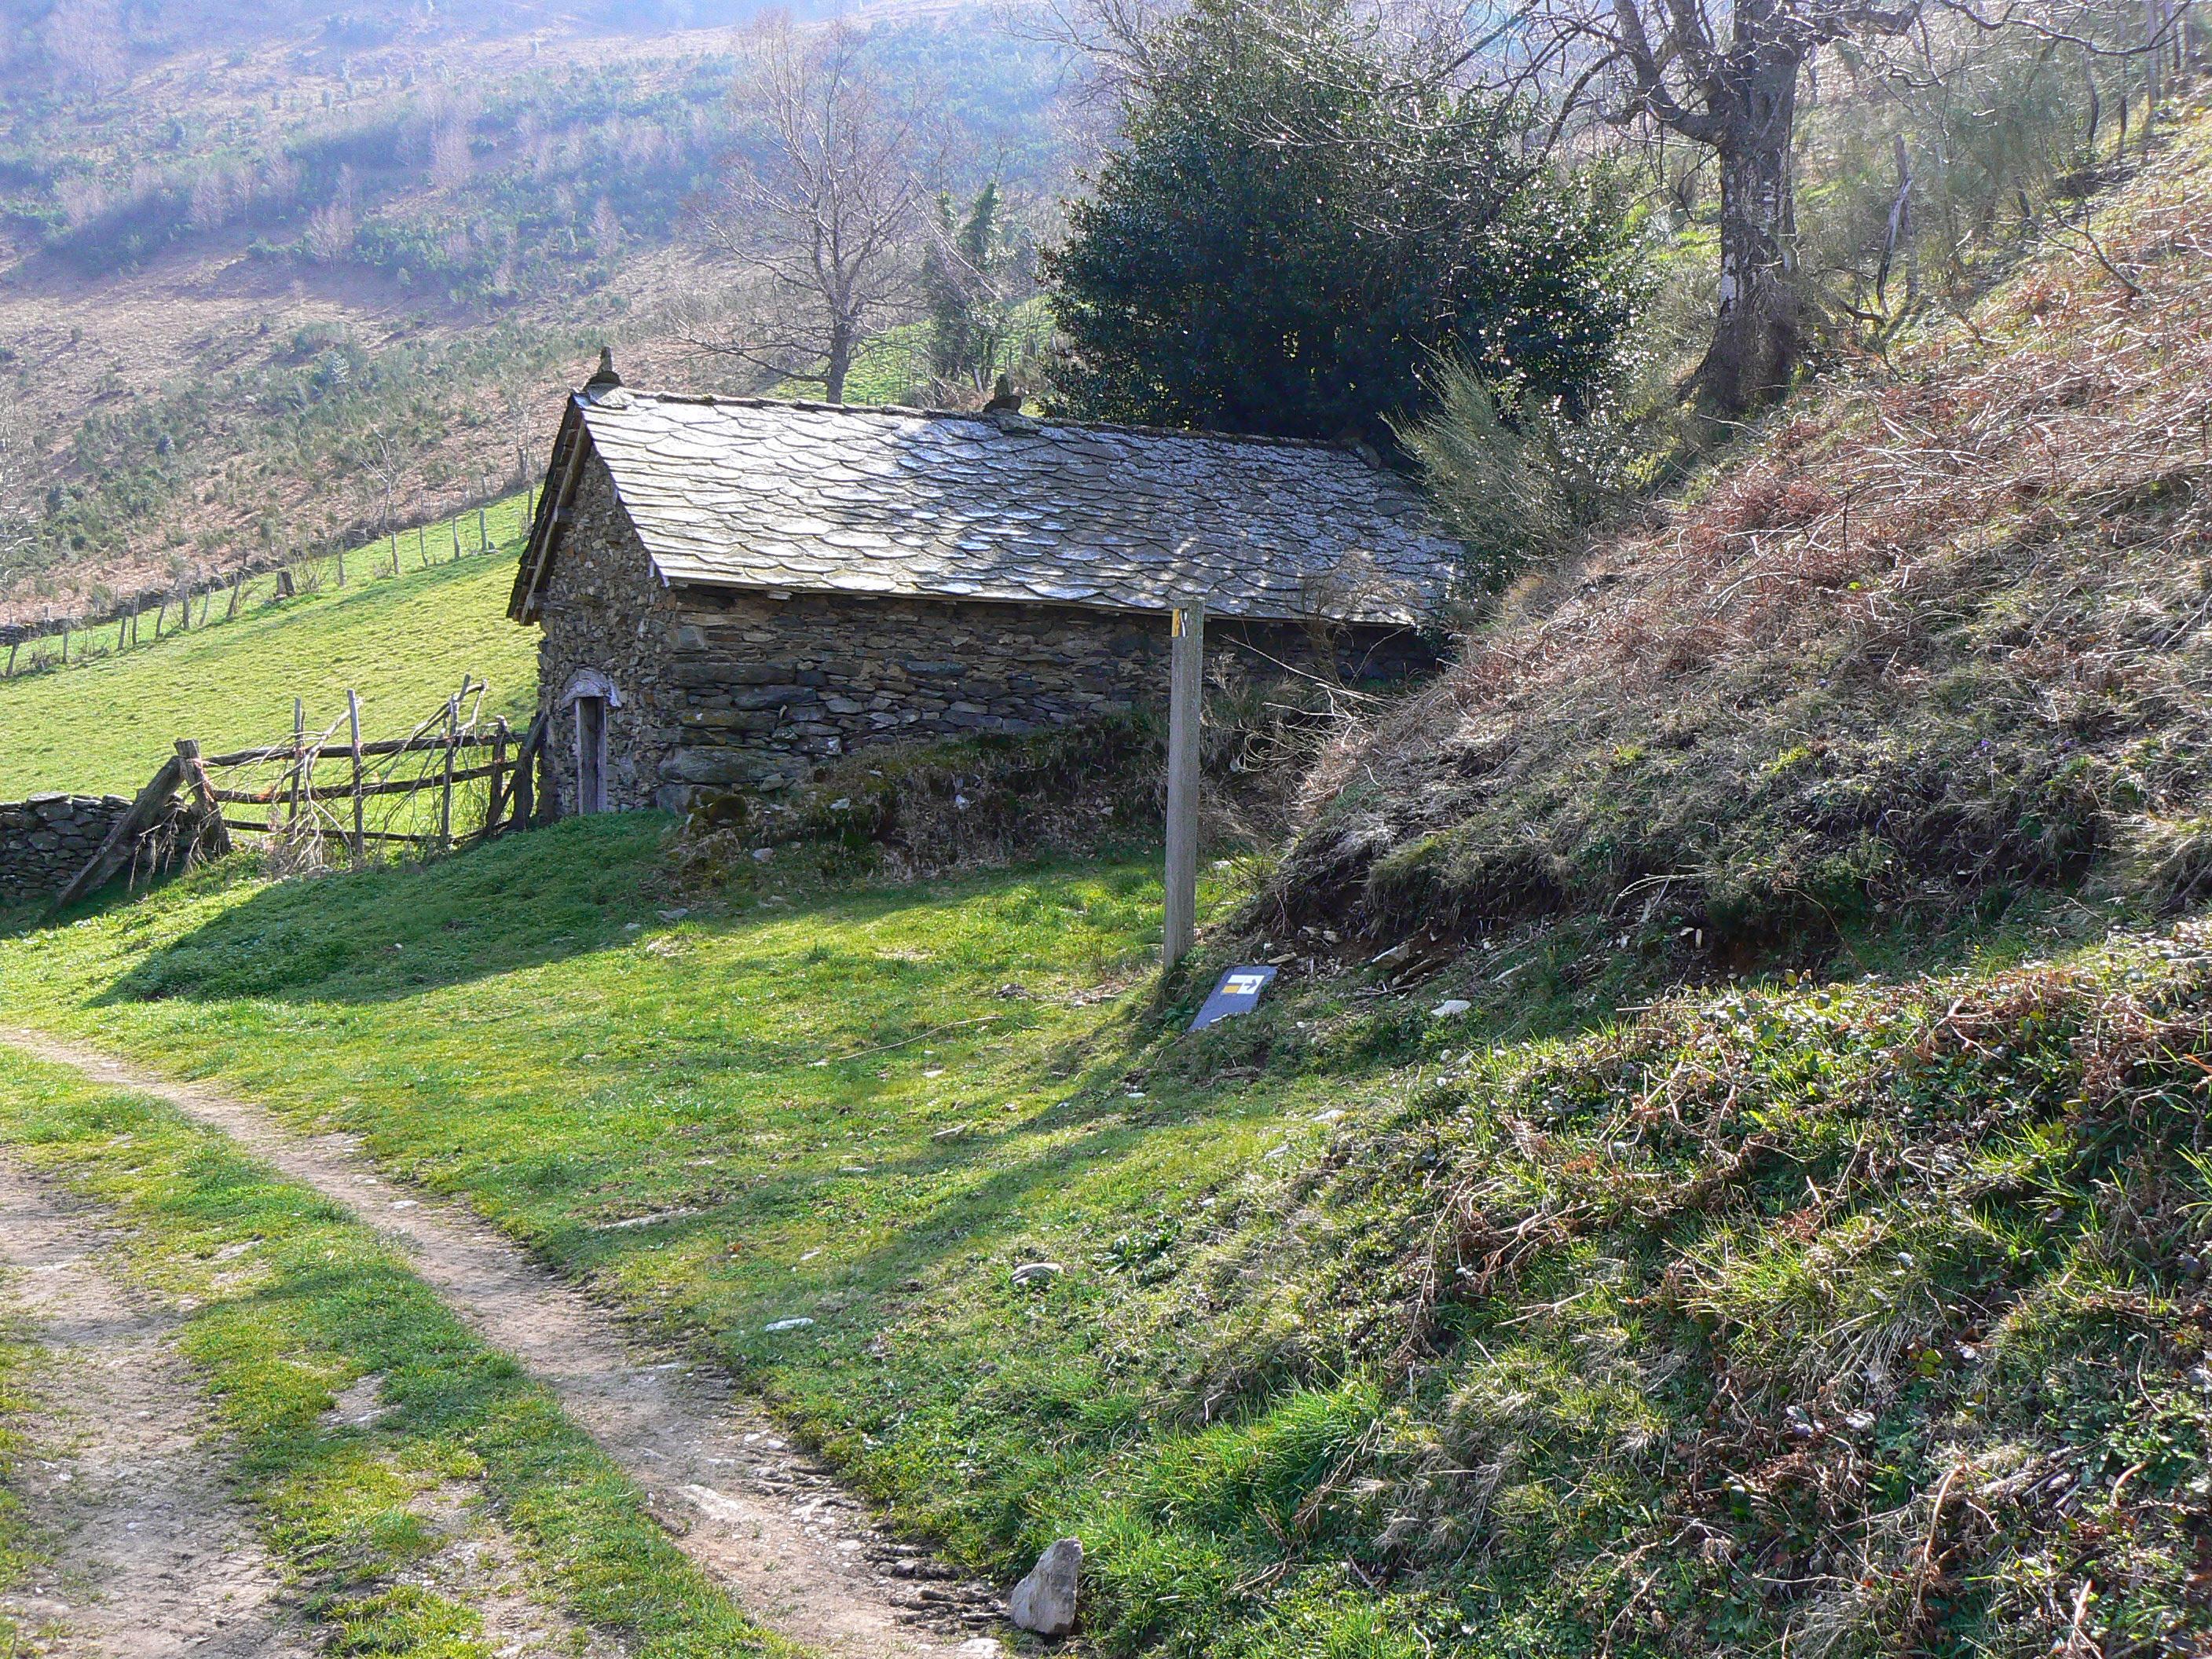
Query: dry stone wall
x,y
715,688
45,840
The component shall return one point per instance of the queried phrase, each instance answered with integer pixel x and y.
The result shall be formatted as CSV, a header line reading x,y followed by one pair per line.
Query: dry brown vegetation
x,y
1940,630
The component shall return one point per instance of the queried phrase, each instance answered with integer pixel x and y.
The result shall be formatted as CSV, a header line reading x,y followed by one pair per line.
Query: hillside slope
x,y
1937,634
403,642
267,285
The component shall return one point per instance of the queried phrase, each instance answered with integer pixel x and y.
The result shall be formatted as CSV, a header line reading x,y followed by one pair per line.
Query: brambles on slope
x,y
1941,636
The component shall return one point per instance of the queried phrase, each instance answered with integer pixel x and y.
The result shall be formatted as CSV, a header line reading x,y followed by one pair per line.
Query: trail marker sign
x,y
1238,992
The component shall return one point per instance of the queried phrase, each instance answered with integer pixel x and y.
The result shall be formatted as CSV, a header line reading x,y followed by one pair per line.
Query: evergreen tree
x,y
1304,214
960,284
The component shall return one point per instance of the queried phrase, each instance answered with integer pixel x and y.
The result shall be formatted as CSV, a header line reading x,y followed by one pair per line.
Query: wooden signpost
x,y
1186,679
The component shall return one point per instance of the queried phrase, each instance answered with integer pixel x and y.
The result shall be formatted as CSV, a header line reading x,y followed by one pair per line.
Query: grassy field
x,y
402,642
1374,1332
292,1304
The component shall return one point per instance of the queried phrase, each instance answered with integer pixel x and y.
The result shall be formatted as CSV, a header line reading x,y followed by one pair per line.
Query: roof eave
x,y
677,575
571,442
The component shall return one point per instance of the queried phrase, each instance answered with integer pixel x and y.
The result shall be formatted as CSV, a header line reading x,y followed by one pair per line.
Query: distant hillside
x,y
1937,637
403,643
269,278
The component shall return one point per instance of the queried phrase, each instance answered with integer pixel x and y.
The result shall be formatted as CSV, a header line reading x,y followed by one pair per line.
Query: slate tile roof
x,y
814,498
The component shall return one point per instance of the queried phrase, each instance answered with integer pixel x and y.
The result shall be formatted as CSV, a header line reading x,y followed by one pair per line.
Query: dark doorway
x,y
591,754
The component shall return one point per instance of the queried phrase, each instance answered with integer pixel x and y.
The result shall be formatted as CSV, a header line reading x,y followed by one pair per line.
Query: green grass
x,y
292,1301
402,642
1376,1334
20,1541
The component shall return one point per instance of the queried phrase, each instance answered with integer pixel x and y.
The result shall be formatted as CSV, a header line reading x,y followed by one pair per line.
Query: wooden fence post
x,y
194,774
498,779
122,840
353,742
446,797
526,777
299,764
1187,661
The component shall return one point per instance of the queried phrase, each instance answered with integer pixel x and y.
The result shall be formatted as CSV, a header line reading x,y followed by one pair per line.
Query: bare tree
x,y
1726,75
821,205
85,42
385,460
19,466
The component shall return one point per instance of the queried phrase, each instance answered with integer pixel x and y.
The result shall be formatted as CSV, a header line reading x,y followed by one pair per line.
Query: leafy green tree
x,y
1305,213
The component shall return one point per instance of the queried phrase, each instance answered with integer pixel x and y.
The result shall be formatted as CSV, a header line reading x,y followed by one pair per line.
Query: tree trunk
x,y
1758,336
841,363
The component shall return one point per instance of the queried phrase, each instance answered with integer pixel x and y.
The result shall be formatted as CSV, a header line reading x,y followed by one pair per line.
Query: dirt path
x,y
772,1527
152,1557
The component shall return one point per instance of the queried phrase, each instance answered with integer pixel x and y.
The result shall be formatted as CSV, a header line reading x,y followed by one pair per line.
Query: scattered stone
x,y
1045,1600
1037,1273
654,1220
1449,1007
762,855
786,1324
675,915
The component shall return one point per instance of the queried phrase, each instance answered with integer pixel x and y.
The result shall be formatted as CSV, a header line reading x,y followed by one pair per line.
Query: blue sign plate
x,y
1238,992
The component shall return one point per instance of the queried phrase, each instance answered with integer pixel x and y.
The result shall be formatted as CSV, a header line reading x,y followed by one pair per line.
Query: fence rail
x,y
427,792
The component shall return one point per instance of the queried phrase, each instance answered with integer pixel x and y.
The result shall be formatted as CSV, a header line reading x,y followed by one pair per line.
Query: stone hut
x,y
733,589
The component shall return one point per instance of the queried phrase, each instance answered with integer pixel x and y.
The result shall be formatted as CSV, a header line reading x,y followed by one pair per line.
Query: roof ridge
x,y
713,400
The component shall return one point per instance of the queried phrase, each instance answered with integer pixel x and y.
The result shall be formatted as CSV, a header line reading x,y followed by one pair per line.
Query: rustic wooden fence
x,y
315,800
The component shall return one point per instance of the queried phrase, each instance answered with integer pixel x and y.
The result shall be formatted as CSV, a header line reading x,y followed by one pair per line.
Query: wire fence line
x,y
223,596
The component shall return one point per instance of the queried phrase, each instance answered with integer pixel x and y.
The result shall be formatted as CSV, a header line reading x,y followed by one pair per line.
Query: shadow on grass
x,y
391,932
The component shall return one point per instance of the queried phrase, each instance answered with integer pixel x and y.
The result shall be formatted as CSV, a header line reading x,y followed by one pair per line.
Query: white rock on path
x,y
1045,1600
